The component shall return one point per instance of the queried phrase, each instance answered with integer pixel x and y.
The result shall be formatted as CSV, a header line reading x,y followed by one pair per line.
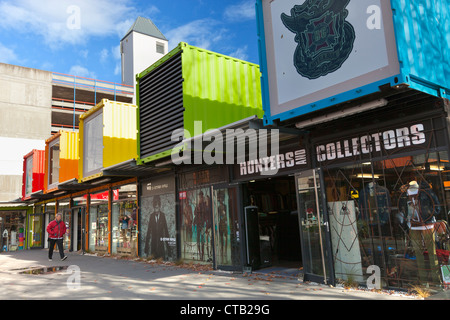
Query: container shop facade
x,y
382,194
338,204
101,219
368,83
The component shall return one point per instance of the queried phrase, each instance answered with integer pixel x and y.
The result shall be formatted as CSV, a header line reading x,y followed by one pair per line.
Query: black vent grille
x,y
160,107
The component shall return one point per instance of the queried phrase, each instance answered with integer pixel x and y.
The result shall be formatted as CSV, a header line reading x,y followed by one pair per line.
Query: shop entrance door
x,y
78,216
226,231
37,231
314,229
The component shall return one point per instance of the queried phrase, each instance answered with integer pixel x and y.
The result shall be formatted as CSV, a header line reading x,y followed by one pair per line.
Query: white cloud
x,y
104,54
57,22
203,33
81,71
118,60
84,53
241,12
7,55
240,53
116,52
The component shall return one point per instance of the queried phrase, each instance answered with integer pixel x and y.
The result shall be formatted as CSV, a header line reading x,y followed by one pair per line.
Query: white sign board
x,y
318,49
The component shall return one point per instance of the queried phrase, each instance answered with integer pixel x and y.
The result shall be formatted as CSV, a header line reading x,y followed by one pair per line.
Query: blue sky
x,y
47,35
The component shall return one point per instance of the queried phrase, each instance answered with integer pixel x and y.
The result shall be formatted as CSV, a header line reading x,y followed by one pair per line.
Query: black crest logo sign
x,y
325,39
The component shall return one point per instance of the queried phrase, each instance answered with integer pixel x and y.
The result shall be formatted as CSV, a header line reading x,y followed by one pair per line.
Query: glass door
x,y
226,228
78,228
314,230
36,228
67,218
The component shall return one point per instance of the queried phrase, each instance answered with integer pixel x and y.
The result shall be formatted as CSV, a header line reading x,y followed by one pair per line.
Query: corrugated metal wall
x,y
119,133
69,155
423,38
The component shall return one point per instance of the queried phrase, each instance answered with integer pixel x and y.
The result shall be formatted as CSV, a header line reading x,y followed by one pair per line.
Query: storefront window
x,y
12,227
226,227
124,220
383,214
158,219
98,222
195,206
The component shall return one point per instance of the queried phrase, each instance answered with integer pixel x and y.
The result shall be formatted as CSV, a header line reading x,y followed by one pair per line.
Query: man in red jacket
x,y
56,230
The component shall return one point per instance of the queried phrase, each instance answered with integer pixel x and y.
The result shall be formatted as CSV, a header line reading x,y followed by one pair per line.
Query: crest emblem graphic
x,y
325,39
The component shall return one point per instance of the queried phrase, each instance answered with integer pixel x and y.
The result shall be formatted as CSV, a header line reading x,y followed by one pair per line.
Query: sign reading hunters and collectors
x,y
317,53
390,142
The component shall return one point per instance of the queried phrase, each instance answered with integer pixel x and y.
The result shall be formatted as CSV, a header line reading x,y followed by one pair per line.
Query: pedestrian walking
x,y
56,230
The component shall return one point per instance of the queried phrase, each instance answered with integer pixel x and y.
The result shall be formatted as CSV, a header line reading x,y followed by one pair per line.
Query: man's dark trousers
x,y
52,242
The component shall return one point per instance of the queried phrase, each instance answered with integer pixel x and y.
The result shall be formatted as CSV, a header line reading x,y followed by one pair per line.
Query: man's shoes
x,y
50,259
64,258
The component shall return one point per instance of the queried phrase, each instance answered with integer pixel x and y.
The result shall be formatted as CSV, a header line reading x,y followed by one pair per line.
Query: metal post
x,y
320,228
74,98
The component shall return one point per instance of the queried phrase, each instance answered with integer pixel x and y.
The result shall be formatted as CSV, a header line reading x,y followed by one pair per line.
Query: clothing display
x,y
374,204
420,204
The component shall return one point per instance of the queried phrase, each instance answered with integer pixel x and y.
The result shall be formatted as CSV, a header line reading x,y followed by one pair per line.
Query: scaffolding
x,y
74,95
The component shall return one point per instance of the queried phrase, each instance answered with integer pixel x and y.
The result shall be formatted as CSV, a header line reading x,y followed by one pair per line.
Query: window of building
x,y
93,144
160,48
53,163
29,176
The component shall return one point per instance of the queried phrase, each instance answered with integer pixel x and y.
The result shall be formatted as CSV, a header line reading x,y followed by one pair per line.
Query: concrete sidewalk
x,y
106,278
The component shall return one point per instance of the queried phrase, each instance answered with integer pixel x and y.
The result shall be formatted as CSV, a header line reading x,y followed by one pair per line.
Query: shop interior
x,y
374,228
12,227
278,224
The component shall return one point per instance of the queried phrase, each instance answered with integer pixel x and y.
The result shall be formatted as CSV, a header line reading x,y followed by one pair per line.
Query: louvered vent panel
x,y
161,107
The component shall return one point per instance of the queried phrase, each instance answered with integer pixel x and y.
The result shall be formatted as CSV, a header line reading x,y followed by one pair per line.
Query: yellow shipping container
x,y
108,136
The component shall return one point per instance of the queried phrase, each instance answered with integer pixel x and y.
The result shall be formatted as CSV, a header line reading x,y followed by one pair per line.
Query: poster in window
x,y
158,224
196,233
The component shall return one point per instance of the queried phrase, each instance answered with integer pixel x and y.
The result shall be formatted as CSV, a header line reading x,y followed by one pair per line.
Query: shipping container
x,y
108,134
61,159
191,85
315,57
33,173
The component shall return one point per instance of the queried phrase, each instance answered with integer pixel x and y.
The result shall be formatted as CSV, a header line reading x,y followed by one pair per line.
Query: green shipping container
x,y
190,84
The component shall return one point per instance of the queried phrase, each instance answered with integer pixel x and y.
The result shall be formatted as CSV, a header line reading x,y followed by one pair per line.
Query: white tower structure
x,y
141,47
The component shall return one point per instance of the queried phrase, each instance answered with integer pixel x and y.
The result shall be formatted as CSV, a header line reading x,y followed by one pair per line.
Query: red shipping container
x,y
33,173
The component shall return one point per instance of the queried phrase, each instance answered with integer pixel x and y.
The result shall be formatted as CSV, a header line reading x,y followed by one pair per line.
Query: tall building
x,y
34,104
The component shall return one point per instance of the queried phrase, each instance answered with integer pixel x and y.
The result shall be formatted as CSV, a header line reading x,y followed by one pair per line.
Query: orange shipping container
x,y
61,159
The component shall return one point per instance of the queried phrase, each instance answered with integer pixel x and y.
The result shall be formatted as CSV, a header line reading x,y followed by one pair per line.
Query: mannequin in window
x,y
420,204
374,204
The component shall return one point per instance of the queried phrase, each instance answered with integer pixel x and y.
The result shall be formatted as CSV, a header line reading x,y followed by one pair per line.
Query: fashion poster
x,y
221,227
196,234
157,238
